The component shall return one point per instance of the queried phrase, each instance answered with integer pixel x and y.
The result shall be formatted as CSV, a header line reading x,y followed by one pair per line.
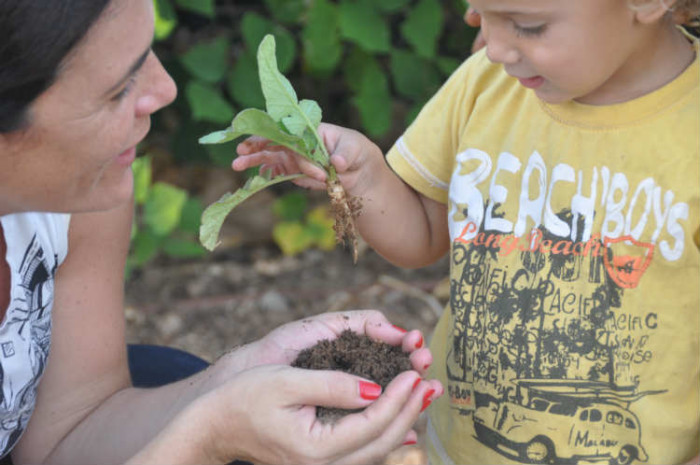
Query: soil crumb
x,y
355,354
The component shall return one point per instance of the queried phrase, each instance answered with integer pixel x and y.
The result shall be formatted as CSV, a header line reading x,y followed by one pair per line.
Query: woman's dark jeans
x,y
153,366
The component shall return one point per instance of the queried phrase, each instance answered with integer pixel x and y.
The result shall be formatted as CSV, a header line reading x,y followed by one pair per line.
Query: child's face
x,y
583,50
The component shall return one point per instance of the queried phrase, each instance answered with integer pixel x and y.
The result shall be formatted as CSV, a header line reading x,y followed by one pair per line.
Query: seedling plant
x,y
290,123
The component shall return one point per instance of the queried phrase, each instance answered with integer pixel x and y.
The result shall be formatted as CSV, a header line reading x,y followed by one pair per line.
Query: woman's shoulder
x,y
23,229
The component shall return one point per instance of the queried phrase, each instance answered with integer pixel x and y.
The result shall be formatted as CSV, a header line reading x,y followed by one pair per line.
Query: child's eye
x,y
125,90
535,31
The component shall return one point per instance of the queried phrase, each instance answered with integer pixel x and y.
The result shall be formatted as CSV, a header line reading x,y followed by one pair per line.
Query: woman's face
x,y
77,152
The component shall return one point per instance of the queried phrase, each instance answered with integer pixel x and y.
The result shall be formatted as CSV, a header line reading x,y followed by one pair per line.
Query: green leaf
x,y
362,24
255,27
392,6
286,11
143,173
414,77
423,27
143,248
215,214
183,248
448,65
282,103
202,7
221,155
243,83
166,19
313,118
291,207
163,208
208,103
321,37
256,122
320,224
207,61
291,237
374,101
191,216
354,68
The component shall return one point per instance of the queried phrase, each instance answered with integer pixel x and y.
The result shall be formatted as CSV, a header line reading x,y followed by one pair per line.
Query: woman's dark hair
x,y
35,37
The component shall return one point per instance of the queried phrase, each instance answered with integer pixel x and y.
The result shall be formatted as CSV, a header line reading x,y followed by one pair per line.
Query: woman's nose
x,y
160,89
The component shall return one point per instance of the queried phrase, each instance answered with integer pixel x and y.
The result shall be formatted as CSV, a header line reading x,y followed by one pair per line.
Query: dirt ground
x,y
239,294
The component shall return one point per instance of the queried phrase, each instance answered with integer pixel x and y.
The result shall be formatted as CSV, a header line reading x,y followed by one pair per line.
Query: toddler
x,y
560,169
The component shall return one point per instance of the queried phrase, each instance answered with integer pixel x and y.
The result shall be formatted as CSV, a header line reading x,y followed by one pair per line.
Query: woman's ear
x,y
652,11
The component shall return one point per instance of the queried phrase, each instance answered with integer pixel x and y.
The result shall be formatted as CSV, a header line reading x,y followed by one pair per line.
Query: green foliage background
x,y
370,64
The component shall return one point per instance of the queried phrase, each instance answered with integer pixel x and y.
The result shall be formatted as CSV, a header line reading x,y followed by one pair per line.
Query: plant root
x,y
345,210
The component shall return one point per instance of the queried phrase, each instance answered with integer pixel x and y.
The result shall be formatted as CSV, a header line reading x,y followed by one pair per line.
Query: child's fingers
x,y
251,145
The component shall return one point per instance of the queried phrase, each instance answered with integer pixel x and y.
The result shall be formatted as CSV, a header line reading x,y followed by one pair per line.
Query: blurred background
x,y
371,65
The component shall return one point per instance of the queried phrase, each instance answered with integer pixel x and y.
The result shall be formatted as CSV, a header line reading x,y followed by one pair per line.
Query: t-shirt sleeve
x,y
424,155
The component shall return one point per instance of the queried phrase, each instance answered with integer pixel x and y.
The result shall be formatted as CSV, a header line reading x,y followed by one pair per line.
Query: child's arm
x,y
402,225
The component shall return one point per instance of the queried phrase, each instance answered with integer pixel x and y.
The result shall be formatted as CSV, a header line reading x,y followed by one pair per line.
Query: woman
x,y
78,83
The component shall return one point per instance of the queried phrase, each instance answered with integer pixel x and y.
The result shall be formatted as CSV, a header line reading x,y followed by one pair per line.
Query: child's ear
x,y
653,11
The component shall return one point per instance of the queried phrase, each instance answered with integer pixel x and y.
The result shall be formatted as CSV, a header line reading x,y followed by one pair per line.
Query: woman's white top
x,y
37,243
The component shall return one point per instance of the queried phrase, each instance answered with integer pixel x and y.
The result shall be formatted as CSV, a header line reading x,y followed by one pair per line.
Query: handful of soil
x,y
355,354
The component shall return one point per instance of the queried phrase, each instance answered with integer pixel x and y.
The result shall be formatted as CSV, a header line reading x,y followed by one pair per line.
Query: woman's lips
x,y
127,157
532,82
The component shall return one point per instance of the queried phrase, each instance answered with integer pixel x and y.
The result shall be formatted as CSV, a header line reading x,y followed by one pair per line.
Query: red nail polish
x,y
426,399
400,328
410,442
415,385
370,391
426,366
419,344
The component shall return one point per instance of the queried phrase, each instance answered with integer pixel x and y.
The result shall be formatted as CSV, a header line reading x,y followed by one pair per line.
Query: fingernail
x,y
415,385
426,399
400,328
419,344
370,391
410,442
426,366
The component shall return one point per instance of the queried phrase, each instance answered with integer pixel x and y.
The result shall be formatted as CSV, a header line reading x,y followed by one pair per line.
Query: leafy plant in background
x,y
166,220
290,123
371,64
384,57
299,228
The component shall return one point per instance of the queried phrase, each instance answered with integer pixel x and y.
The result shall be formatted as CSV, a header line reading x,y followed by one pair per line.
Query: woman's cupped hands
x,y
266,411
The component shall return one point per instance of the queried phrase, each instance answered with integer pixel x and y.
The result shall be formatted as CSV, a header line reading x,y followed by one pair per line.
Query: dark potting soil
x,y
355,354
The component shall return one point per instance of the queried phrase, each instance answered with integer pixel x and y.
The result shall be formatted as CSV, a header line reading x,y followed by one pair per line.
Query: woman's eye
x,y
126,89
529,31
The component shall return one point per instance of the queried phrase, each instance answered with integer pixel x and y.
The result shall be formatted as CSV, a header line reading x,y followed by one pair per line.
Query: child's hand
x,y
352,154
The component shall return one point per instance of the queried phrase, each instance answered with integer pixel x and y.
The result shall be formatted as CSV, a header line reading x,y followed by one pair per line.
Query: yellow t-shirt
x,y
573,327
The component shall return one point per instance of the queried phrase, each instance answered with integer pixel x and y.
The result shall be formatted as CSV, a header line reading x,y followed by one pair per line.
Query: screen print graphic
x,y
542,350
24,343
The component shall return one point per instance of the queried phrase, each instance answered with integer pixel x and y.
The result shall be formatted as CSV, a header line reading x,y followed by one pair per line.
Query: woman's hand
x,y
267,415
263,410
353,155
282,345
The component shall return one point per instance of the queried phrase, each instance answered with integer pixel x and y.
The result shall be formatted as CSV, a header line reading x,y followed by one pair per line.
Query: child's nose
x,y
160,89
498,48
